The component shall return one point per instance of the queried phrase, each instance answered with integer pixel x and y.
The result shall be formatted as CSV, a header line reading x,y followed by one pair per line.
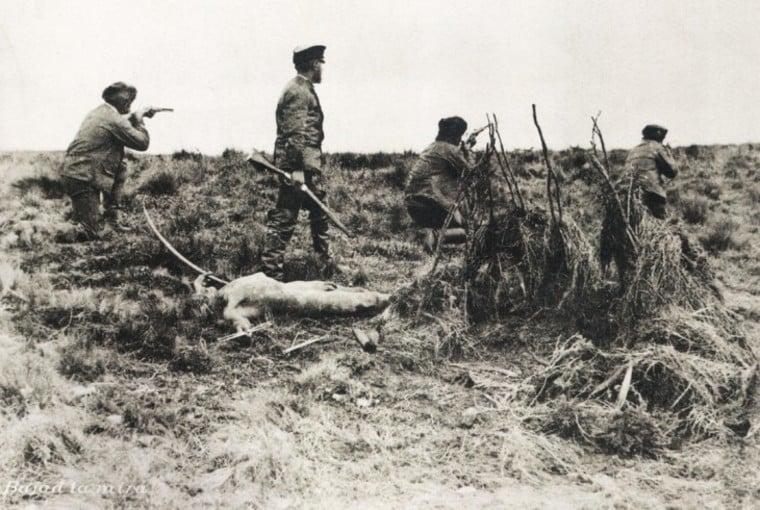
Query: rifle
x,y
148,111
473,138
219,281
260,163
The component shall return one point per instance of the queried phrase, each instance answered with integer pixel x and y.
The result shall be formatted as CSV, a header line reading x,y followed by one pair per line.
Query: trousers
x,y
281,222
85,199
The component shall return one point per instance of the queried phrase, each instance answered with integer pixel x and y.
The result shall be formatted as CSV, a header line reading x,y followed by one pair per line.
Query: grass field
x,y
115,391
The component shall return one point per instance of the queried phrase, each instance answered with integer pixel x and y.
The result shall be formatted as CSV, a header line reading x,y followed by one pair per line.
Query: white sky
x,y
393,69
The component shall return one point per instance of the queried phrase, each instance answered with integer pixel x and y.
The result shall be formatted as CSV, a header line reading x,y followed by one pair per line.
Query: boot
x,y
113,217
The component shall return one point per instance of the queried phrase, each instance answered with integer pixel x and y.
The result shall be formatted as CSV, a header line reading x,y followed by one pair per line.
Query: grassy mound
x,y
679,366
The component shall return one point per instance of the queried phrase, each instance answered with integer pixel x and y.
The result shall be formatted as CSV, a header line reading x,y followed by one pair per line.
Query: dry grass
x,y
470,401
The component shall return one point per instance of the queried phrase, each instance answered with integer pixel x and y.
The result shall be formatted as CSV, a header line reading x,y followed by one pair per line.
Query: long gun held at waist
x,y
260,163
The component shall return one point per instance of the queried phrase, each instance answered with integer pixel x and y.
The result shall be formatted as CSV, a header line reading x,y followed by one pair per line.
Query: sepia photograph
x,y
398,254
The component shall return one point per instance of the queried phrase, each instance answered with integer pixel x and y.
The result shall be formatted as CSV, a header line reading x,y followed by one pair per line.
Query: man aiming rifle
x,y
94,161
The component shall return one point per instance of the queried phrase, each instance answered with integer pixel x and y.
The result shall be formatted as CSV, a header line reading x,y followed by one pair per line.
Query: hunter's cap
x,y
452,126
304,54
653,129
115,88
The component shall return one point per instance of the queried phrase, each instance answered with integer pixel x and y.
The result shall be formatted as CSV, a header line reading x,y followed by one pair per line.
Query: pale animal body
x,y
250,297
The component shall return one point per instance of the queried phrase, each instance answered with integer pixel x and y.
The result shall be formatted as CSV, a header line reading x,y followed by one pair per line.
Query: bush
x,y
720,235
397,178
184,155
353,161
161,183
754,193
83,363
232,154
49,188
711,189
694,209
191,358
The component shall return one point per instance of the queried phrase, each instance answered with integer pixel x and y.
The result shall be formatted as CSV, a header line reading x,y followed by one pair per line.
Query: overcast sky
x,y
393,69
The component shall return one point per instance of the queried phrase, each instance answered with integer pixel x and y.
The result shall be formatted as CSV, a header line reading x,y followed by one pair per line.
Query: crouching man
x,y
433,186
94,160
250,297
647,165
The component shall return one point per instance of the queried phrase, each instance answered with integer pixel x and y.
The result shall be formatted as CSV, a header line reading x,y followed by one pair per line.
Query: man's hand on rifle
x,y
298,177
149,111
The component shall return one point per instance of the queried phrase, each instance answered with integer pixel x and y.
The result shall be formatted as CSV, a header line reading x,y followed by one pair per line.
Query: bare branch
x,y
551,177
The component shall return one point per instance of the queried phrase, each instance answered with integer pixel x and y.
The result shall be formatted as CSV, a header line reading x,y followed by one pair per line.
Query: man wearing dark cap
x,y
433,184
646,165
298,150
94,160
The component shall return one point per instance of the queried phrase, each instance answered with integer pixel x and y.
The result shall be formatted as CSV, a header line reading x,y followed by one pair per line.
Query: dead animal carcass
x,y
250,297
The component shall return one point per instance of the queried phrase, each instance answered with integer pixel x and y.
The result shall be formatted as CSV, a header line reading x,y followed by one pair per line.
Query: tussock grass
x,y
695,209
161,183
83,362
753,192
712,189
719,235
678,365
479,376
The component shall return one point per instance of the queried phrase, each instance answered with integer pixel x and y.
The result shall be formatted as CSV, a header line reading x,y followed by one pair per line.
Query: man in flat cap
x,y
433,184
646,165
298,150
94,160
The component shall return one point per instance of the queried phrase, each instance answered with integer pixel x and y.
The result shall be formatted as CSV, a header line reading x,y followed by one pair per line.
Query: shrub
x,y
694,209
191,358
720,235
398,176
754,193
161,183
711,189
48,187
572,160
353,161
184,155
232,154
82,362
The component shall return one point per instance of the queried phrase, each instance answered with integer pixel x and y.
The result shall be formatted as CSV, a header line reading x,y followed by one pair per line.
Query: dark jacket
x,y
96,153
436,173
647,163
299,126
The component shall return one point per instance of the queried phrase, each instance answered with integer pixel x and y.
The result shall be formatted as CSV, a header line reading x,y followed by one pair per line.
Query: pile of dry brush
x,y
676,365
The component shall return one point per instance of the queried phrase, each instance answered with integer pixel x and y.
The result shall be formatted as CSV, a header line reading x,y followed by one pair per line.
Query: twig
x,y
598,132
247,332
551,177
304,344
629,231
505,168
607,382
623,394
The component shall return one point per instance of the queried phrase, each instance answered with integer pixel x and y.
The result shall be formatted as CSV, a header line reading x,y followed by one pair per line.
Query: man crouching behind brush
x,y
94,160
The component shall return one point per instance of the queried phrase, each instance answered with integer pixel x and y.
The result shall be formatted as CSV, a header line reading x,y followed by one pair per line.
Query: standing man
x,y
94,160
298,150
433,185
646,165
